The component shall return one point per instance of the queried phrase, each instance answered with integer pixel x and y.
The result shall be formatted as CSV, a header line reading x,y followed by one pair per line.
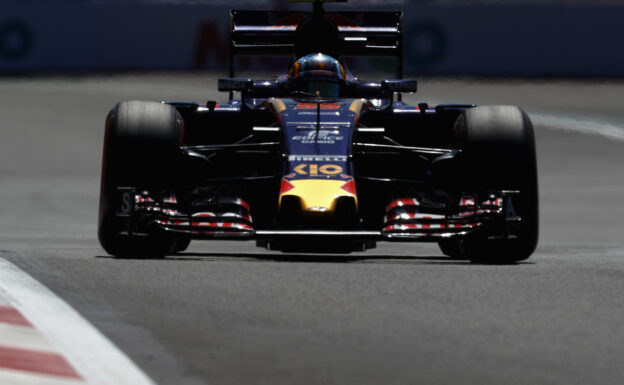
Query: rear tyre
x,y
141,149
499,154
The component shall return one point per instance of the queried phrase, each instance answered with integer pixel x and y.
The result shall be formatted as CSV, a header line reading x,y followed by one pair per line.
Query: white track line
x,y
88,351
584,126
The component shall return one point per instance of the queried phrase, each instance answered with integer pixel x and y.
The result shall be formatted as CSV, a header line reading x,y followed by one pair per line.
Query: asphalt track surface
x,y
229,313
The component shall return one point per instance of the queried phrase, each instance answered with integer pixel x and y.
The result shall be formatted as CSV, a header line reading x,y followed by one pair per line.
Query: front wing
x,y
407,220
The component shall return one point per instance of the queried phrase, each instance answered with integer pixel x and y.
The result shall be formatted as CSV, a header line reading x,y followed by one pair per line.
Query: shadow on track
x,y
310,258
317,258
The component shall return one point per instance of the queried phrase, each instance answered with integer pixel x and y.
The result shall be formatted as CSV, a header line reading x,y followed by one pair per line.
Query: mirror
x,y
235,84
400,85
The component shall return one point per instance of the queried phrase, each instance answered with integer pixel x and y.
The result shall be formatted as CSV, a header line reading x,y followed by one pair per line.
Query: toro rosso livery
x,y
317,160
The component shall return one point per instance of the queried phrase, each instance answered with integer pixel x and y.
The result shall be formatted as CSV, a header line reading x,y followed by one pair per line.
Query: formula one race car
x,y
316,160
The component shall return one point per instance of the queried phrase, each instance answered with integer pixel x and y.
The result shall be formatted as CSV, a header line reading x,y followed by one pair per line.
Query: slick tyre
x,y
141,149
181,244
498,146
452,248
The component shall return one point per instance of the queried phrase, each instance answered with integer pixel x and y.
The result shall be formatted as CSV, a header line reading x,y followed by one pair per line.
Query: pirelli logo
x,y
317,158
318,169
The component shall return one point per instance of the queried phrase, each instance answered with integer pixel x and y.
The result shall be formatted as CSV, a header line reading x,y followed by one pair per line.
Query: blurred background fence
x,y
510,39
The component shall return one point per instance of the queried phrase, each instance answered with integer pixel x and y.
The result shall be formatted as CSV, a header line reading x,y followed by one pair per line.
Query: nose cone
x,y
318,197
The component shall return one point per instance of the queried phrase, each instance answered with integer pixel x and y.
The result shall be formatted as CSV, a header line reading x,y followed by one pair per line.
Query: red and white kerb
x,y
26,356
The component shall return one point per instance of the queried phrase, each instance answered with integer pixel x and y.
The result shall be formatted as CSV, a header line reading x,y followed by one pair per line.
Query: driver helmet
x,y
318,72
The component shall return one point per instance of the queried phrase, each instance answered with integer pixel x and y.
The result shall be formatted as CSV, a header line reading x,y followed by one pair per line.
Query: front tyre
x,y
141,149
498,146
181,244
452,248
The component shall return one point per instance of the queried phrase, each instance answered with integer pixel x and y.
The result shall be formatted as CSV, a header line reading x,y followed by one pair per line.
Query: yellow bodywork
x,y
356,106
278,105
318,195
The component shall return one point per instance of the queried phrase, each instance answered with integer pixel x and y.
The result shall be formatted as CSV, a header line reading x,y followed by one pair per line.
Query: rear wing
x,y
272,33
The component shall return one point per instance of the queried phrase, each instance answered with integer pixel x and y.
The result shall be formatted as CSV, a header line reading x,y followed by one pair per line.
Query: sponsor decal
x,y
286,186
510,210
317,158
321,137
314,169
127,202
349,186
314,106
